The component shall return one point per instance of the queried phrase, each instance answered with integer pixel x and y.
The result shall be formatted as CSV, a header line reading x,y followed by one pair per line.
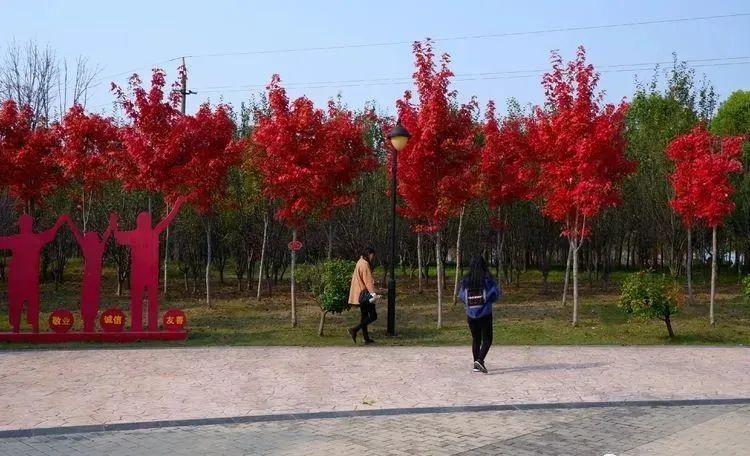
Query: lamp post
x,y
399,136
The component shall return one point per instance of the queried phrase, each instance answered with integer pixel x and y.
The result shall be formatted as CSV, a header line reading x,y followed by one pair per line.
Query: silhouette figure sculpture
x,y
92,248
23,270
144,266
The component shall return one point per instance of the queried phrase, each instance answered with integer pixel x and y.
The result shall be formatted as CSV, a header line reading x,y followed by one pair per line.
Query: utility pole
x,y
183,89
184,92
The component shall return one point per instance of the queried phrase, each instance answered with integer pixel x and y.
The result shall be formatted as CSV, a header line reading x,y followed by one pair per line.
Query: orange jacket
x,y
361,280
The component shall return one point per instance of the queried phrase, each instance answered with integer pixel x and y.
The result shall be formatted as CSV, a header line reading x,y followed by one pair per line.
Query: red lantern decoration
x,y
174,320
61,320
112,320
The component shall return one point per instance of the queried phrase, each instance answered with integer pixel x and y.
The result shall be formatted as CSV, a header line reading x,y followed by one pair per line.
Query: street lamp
x,y
399,136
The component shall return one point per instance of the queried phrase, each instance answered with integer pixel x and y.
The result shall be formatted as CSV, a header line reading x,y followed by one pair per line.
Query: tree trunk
x,y
250,271
419,261
166,249
439,261
574,250
330,239
499,262
458,256
668,322
714,265
262,256
84,217
738,263
294,295
689,265
322,322
208,262
567,275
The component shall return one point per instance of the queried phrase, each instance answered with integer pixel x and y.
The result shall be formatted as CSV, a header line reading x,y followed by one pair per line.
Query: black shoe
x,y
369,341
482,369
352,334
477,367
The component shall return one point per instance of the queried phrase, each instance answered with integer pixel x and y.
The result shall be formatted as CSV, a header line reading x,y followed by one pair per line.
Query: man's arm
x,y
122,237
49,235
111,228
75,231
161,226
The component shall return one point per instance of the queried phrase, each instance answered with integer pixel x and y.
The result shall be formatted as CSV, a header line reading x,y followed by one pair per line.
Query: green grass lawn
x,y
525,316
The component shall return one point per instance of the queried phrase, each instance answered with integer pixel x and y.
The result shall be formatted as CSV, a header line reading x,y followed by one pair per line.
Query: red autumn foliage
x,y
89,143
508,173
30,169
151,157
579,144
308,160
172,153
437,170
207,139
700,180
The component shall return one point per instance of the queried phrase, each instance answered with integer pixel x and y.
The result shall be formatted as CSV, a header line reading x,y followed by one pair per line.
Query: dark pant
x,y
481,336
368,316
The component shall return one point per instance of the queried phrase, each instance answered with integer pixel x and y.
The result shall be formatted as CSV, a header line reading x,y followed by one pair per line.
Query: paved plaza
x,y
631,431
376,400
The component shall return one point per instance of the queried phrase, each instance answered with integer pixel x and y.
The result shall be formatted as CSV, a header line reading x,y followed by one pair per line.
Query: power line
x,y
103,79
472,37
511,74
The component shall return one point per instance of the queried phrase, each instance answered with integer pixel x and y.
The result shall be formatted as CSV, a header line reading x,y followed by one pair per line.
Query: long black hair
x,y
366,254
477,273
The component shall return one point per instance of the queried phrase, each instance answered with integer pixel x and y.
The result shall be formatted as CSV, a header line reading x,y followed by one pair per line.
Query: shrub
x,y
329,282
647,295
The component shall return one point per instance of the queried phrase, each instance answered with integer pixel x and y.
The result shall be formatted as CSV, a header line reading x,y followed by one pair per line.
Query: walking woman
x,y
478,292
362,294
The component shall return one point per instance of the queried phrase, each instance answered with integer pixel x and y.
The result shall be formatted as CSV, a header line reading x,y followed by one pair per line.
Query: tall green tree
x,y
733,119
656,116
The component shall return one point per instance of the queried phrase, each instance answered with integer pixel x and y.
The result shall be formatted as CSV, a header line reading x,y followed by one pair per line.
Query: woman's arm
x,y
368,279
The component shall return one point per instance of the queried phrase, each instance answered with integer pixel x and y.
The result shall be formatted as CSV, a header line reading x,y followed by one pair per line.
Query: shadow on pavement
x,y
540,367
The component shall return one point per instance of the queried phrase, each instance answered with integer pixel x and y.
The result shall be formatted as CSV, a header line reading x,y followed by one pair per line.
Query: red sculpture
x,y
92,248
23,270
23,283
144,270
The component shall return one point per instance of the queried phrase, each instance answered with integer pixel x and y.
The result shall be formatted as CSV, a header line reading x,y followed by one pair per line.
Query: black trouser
x,y
481,336
368,316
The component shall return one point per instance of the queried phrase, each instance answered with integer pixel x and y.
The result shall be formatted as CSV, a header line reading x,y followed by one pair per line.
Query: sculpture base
x,y
121,337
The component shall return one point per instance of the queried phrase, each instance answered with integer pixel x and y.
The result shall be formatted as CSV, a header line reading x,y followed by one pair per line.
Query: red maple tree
x,y
207,139
508,173
307,160
88,145
437,170
152,159
579,145
702,189
507,167
31,171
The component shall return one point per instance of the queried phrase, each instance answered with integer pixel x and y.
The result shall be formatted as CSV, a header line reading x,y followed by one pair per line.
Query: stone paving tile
x,y
624,431
63,388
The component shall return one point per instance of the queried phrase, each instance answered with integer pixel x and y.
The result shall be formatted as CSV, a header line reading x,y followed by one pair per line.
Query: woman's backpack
x,y
478,301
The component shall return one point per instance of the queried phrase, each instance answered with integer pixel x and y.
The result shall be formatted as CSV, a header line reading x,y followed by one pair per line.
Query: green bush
x,y
329,283
647,295
746,287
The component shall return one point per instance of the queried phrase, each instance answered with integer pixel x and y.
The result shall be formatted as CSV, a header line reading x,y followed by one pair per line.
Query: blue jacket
x,y
491,294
